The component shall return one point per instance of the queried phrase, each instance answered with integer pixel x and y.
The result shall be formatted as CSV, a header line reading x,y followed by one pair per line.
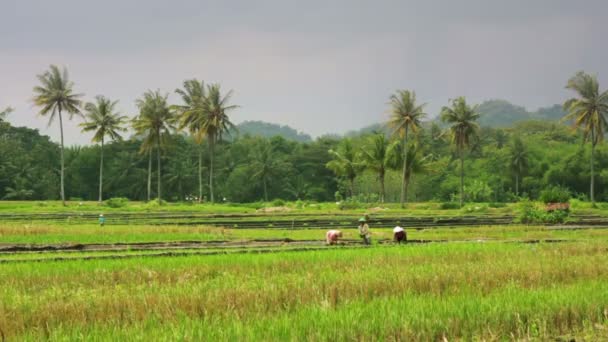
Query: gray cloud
x,y
320,66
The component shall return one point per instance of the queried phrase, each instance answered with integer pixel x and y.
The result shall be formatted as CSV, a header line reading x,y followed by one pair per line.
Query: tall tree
x,y
215,122
406,116
154,123
345,163
191,116
588,111
56,95
266,165
101,117
519,160
379,156
417,163
462,119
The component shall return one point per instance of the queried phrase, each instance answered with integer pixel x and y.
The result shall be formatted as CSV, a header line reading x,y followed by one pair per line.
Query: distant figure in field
x,y
399,235
102,220
364,231
332,236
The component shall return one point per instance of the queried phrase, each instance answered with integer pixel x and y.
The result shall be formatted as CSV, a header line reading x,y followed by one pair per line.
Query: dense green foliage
x,y
555,156
453,156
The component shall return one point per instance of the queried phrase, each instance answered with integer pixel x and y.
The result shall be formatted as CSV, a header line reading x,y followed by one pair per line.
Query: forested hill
x,y
268,130
501,113
494,114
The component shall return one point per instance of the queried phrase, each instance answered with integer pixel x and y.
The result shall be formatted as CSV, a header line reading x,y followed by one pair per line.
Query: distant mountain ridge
x,y
494,113
269,130
501,113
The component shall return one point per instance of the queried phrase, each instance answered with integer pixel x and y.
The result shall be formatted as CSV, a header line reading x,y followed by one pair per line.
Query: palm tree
x,y
55,95
500,138
155,122
406,115
416,163
588,111
215,122
380,156
20,191
463,129
519,161
345,163
104,121
265,165
191,115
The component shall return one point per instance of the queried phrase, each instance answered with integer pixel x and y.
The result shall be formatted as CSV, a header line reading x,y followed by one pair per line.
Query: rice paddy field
x,y
260,277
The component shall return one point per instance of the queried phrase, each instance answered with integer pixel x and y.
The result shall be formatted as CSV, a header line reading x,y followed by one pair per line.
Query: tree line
x,y
449,159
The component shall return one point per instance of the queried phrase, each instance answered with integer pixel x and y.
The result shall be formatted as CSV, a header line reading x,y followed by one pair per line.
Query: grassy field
x,y
18,207
460,291
197,282
12,233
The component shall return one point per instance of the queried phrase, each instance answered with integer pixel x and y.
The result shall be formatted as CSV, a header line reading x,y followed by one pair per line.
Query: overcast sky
x,y
320,66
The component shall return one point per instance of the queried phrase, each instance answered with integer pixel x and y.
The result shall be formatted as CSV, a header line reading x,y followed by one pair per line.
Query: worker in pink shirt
x,y
332,236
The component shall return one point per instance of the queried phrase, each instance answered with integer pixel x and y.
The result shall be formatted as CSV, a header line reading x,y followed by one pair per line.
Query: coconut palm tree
x,y
379,156
266,165
588,111
102,119
55,96
345,163
215,123
519,160
462,119
190,115
155,123
406,116
416,164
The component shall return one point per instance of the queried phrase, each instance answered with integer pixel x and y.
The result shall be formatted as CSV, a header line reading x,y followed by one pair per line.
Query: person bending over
x,y
399,235
332,236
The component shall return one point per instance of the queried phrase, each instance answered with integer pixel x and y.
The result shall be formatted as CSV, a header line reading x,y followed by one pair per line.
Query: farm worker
x,y
364,232
102,220
332,236
399,234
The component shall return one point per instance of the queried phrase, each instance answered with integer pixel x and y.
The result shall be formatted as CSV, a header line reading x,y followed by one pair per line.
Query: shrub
x,y
278,203
155,203
475,208
478,191
527,212
555,194
449,205
117,202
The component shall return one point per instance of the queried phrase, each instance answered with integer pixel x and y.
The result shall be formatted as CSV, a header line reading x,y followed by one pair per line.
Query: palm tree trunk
x,y
101,173
404,180
158,167
592,186
211,148
461,178
352,187
265,189
149,174
62,160
516,183
382,192
200,174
